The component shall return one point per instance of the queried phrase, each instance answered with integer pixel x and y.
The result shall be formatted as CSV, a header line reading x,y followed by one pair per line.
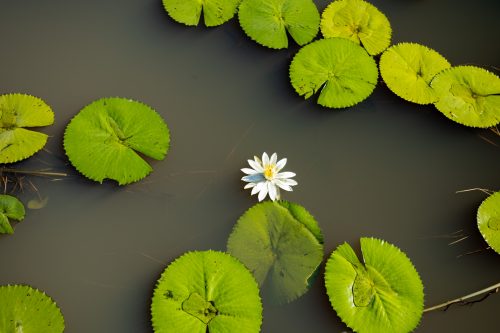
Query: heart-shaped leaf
x,y
10,208
382,295
488,221
206,291
188,12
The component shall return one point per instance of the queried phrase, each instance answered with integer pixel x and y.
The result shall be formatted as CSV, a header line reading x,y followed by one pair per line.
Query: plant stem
x,y
489,290
34,173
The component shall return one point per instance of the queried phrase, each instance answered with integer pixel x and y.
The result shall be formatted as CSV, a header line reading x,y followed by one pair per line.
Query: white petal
x,y
281,164
258,160
258,188
286,174
274,158
263,192
249,171
256,166
288,181
249,185
255,178
265,160
278,193
284,186
271,188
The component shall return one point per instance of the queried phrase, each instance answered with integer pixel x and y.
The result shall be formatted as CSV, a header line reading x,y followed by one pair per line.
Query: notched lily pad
x,y
488,221
10,208
18,112
268,21
188,12
382,295
468,95
106,138
358,21
206,291
24,309
281,244
408,69
341,71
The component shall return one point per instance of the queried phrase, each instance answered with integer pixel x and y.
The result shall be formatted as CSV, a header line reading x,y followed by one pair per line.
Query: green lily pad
x,y
268,21
18,111
24,309
206,291
383,295
468,95
408,70
188,12
281,244
10,208
358,21
341,71
488,221
106,138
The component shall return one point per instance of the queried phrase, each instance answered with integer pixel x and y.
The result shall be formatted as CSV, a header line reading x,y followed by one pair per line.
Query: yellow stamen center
x,y
269,172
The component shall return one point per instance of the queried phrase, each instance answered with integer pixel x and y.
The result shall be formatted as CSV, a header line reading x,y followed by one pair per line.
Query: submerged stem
x,y
34,172
488,291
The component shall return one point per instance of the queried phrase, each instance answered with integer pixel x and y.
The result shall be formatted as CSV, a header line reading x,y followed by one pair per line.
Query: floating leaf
x,y
104,140
385,294
488,221
188,12
408,70
206,292
338,68
10,208
268,21
358,21
16,112
38,203
27,310
468,95
281,244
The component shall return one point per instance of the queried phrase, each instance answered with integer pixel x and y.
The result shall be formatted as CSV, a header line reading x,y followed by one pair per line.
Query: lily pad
x,y
18,111
268,21
188,12
206,291
281,244
385,294
408,70
358,21
10,208
24,309
468,95
106,138
488,221
341,71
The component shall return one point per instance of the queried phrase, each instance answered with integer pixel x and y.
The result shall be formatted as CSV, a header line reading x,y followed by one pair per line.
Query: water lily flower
x,y
264,177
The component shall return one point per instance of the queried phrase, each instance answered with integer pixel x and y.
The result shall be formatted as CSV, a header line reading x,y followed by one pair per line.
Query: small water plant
x,y
188,12
281,244
382,295
341,71
358,21
269,21
24,309
206,291
107,138
408,69
10,208
17,113
468,95
488,221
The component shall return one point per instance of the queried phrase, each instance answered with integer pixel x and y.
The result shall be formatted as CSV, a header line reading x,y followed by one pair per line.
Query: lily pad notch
x,y
282,245
10,208
107,139
188,12
206,291
382,295
268,22
28,310
17,113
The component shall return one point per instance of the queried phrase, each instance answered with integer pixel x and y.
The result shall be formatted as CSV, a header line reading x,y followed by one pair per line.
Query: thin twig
x,y
473,252
463,300
488,192
34,172
458,240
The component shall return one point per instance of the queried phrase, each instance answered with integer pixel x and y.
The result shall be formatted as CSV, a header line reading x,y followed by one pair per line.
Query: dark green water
x,y
384,168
